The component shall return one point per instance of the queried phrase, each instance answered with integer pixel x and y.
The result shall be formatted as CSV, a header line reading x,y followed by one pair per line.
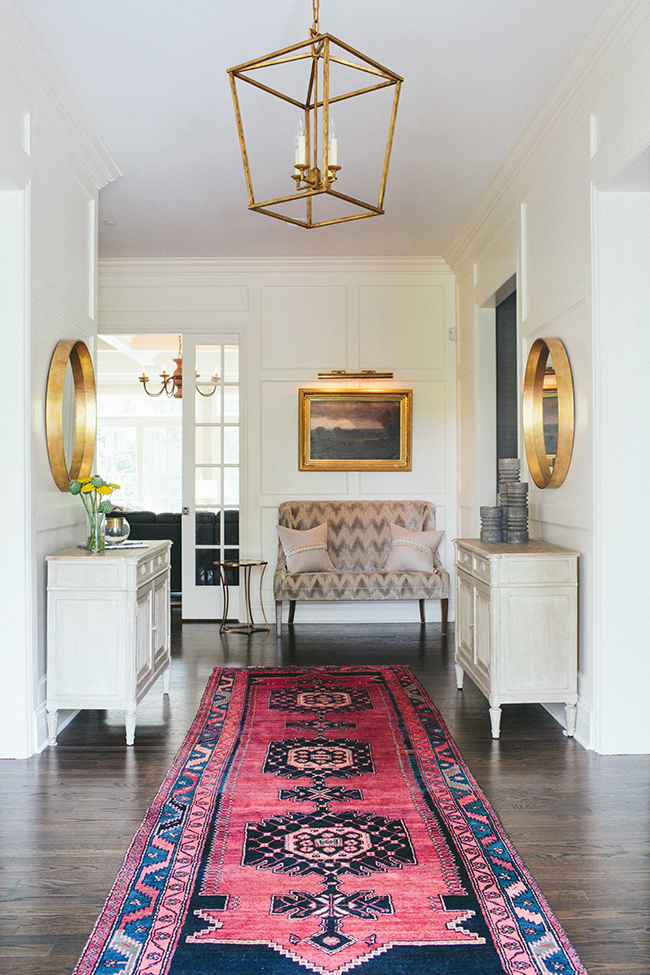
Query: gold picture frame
x,y
355,430
542,382
78,355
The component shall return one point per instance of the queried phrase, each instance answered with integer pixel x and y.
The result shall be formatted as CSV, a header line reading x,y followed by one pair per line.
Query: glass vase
x,y
97,532
117,530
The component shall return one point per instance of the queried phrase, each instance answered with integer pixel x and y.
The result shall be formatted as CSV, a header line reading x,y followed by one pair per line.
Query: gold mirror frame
x,y
533,413
85,430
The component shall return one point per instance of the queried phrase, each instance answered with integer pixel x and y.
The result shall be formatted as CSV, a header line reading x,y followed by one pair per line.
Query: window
x,y
139,447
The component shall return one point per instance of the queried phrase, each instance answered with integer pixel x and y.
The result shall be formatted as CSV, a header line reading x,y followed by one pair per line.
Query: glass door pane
x,y
210,473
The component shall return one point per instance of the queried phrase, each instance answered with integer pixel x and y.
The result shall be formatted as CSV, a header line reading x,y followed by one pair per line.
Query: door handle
x,y
186,511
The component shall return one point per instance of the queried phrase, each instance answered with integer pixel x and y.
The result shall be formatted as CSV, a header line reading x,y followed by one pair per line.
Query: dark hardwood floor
x,y
580,821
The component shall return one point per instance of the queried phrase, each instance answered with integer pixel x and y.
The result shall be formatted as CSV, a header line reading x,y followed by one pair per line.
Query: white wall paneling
x,y
403,326
16,622
622,474
303,327
540,215
51,167
302,317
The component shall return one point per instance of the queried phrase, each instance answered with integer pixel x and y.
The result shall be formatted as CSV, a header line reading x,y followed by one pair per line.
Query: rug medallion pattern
x,y
322,820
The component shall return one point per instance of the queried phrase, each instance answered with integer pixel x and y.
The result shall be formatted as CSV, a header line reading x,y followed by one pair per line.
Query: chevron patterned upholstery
x,y
358,542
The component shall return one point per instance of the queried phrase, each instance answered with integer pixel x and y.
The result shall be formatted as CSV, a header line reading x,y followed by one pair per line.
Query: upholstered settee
x,y
359,541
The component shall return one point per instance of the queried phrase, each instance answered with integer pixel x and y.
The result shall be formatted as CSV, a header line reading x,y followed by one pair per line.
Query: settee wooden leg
x,y
444,608
292,611
422,616
278,616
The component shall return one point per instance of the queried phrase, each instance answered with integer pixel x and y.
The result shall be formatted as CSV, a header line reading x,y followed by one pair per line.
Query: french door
x,y
211,483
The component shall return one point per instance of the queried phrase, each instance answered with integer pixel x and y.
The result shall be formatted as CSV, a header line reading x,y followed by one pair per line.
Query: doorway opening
x,y
175,457
507,393
497,387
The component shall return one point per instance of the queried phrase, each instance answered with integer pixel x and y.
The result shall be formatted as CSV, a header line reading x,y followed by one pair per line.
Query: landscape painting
x,y
355,430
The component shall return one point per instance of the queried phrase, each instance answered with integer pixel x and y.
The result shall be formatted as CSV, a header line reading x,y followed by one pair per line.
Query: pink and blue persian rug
x,y
322,820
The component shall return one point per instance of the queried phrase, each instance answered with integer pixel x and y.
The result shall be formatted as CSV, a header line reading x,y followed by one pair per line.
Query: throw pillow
x,y
412,551
306,551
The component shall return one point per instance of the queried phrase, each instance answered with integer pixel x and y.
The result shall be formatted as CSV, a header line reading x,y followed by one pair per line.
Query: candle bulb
x,y
333,144
300,144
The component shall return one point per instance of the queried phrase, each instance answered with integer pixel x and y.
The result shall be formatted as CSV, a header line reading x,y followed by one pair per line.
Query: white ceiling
x,y
151,75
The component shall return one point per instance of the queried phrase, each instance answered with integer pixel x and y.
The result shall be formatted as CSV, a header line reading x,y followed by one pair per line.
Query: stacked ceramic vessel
x,y
509,521
491,524
514,501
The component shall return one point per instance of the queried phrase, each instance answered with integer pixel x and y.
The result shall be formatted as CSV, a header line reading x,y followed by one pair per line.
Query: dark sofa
x,y
149,526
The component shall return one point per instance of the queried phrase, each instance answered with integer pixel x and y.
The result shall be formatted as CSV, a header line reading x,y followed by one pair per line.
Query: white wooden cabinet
x,y
516,624
108,629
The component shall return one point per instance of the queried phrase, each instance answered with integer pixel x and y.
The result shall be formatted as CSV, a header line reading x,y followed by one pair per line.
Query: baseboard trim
x,y
583,722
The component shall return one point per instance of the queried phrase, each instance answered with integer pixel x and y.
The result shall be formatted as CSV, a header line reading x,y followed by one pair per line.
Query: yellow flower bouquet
x,y
94,492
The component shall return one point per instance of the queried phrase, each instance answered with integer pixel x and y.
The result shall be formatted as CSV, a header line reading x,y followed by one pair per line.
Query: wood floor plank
x,y
580,821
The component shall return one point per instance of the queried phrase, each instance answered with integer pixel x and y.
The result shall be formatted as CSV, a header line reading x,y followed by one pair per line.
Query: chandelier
x,y
172,384
316,166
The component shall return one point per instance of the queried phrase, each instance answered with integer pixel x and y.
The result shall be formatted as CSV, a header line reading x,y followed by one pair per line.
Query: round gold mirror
x,y
71,412
548,412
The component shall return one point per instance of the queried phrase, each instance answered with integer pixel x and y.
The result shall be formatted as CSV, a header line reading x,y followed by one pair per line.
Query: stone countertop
x,y
500,549
114,552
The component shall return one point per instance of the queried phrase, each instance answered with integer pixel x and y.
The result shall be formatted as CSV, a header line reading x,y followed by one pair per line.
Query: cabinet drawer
x,y
481,568
145,569
474,565
464,559
153,566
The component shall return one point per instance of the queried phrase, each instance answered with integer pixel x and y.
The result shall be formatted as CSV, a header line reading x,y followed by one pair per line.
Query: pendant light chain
x,y
315,27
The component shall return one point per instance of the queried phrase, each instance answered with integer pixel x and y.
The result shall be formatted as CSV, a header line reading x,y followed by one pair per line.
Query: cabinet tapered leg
x,y
52,723
129,721
570,712
495,721
460,676
166,676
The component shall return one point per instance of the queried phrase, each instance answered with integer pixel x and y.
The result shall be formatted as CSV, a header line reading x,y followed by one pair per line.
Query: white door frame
x,y
208,334
206,602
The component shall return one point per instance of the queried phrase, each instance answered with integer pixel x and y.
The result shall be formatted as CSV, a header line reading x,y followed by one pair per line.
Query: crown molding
x,y
114,267
616,23
33,62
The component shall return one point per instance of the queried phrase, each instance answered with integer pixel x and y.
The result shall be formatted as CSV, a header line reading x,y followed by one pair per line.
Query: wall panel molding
x,y
304,316
616,24
111,267
56,159
61,516
58,107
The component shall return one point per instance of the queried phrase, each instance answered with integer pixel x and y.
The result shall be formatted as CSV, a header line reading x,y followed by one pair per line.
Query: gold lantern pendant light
x,y
316,159
173,385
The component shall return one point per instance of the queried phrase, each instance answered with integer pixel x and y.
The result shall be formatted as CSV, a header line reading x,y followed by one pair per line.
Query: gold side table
x,y
246,567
